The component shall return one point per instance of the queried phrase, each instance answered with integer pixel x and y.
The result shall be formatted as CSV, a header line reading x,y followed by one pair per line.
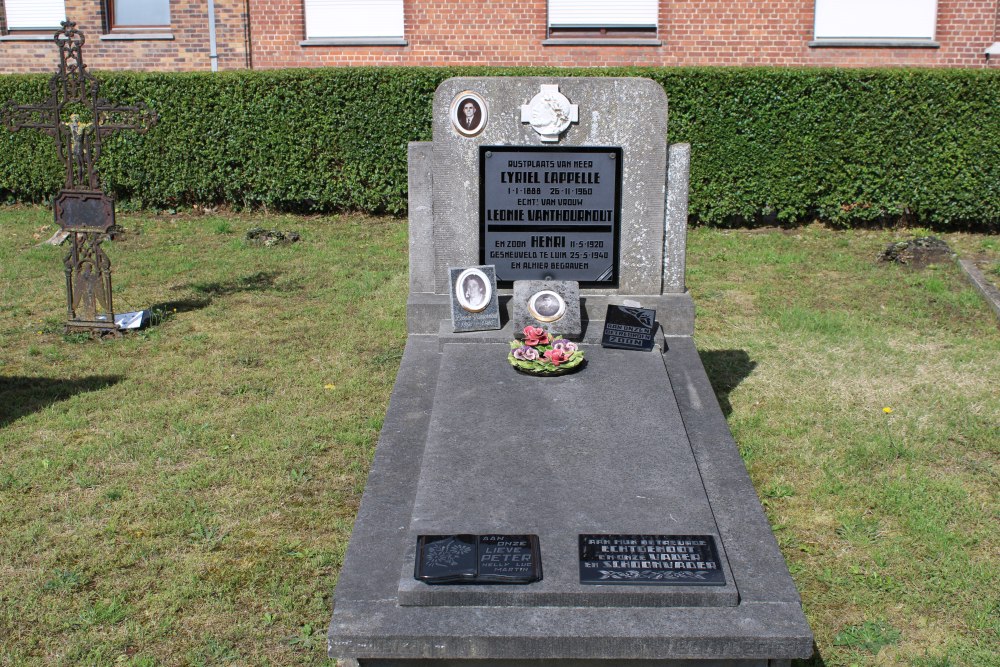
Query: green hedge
x,y
783,145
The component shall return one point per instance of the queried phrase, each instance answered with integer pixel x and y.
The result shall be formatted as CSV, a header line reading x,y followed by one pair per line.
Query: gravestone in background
x,y
651,544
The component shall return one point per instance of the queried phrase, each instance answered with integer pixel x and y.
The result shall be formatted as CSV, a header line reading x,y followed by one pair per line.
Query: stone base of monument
x,y
615,495
635,444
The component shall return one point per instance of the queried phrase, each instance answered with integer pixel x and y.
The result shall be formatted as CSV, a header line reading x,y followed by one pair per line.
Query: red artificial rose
x,y
556,356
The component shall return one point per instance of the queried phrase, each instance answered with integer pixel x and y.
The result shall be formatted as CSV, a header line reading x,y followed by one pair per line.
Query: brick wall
x,y
187,51
507,32
692,32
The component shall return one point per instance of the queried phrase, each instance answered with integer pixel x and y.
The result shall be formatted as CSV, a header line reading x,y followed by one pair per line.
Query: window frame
x,y
608,33
355,40
33,32
111,27
825,37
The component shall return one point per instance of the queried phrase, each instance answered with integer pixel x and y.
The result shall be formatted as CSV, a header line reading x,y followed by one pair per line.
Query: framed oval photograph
x,y
469,113
546,306
473,290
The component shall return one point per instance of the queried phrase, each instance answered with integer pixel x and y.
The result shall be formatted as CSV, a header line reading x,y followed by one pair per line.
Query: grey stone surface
x,y
582,453
370,623
675,221
626,112
465,320
421,183
568,325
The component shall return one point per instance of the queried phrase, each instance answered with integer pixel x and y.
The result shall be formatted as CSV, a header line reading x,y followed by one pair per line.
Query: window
x,y
367,21
876,20
603,19
34,14
138,14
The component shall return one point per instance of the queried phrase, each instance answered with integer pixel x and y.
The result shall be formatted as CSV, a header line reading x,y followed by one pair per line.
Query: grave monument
x,y
79,119
602,517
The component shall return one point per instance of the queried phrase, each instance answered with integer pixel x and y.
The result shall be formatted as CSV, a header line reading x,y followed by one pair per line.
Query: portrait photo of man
x,y
546,306
468,113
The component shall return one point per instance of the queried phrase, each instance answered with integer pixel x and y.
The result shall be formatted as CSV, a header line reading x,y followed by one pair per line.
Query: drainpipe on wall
x,y
213,53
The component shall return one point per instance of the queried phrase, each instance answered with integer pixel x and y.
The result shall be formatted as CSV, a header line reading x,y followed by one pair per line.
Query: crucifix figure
x,y
78,119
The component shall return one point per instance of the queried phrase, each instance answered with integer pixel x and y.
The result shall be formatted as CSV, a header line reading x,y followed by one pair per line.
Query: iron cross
x,y
78,119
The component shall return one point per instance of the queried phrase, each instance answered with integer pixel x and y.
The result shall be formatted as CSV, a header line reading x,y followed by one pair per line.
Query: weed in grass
x,y
65,580
308,638
223,227
869,636
269,619
104,612
300,475
209,537
214,652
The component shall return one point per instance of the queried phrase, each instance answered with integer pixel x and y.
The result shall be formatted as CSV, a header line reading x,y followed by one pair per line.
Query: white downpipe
x,y
213,53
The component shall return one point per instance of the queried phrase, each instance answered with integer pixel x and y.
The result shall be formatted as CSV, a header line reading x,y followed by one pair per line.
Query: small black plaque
x,y
650,560
478,559
629,328
84,211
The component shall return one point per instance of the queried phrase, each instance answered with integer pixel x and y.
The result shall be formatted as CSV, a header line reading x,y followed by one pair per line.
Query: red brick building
x,y
197,35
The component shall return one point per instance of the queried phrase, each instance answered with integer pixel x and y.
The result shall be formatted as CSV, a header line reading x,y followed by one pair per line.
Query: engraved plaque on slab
x,y
474,302
629,328
550,213
478,559
84,211
650,560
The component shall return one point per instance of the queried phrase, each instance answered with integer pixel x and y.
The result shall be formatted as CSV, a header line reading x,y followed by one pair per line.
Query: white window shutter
x,y
876,19
354,18
29,14
603,13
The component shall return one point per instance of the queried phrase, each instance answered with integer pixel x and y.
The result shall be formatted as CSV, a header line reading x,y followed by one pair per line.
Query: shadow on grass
x,y
21,396
255,282
726,369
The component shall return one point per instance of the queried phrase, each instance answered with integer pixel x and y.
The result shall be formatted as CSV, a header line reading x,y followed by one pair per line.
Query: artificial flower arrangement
x,y
542,353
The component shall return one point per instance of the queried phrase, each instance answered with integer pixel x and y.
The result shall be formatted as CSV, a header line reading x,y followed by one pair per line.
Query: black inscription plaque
x,y
478,559
657,560
629,328
550,213
84,211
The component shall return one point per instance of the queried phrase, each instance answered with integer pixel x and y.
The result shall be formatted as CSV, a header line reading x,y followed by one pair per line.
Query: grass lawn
x,y
184,496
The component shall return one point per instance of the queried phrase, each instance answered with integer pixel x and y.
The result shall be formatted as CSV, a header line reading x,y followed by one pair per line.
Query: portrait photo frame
x,y
473,290
475,305
546,305
469,113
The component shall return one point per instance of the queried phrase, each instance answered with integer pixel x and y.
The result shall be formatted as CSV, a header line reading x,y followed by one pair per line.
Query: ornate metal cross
x,y
79,119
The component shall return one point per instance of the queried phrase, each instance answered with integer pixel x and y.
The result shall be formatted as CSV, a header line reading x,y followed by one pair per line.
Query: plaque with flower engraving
x,y
650,560
478,559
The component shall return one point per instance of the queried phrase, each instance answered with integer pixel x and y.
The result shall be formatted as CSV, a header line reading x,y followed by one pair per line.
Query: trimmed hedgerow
x,y
782,145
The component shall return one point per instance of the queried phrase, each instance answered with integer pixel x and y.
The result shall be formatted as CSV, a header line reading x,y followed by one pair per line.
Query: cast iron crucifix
x,y
79,119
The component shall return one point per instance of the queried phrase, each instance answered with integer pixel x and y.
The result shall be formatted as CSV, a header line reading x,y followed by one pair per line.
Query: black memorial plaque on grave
x,y
657,560
550,213
478,559
629,328
84,211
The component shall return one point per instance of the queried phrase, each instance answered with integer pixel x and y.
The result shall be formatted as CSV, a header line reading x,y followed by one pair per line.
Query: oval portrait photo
x,y
473,290
468,113
546,306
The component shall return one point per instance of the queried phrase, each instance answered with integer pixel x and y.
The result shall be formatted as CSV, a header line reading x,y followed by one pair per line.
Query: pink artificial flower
x,y
535,336
556,356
